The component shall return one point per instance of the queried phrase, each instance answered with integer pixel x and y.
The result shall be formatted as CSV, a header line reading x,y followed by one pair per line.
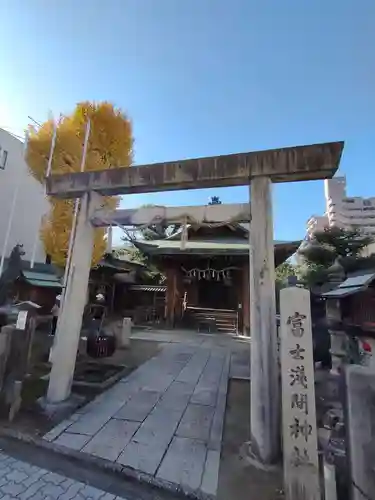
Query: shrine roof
x,y
216,247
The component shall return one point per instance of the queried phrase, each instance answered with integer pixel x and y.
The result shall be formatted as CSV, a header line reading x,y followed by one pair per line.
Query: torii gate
x,y
257,169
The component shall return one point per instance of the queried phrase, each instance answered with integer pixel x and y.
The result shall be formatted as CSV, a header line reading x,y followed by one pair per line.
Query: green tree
x,y
333,244
151,273
284,270
214,200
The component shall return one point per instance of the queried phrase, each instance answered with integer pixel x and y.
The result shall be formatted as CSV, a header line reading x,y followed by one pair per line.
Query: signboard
x,y
301,473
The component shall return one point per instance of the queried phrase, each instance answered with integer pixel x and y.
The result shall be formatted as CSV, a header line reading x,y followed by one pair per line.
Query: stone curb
x,y
105,465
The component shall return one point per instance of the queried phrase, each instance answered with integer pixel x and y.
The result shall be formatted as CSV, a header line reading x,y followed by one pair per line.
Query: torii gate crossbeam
x,y
235,212
301,163
259,170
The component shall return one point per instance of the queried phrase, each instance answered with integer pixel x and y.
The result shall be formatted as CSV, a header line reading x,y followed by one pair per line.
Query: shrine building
x,y
207,275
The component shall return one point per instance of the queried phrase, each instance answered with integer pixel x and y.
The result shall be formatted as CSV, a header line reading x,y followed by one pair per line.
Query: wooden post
x,y
169,297
265,403
300,448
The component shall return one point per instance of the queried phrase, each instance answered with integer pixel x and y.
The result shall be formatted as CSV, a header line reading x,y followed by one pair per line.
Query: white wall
x,y
31,202
348,211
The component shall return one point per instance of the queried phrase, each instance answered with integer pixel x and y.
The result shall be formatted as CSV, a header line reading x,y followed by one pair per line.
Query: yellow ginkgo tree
x,y
110,145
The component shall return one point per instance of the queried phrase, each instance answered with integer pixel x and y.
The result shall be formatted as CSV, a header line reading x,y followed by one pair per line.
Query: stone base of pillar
x,y
249,456
63,409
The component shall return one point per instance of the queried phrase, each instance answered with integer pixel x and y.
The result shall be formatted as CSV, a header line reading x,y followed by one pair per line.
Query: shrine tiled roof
x,y
203,247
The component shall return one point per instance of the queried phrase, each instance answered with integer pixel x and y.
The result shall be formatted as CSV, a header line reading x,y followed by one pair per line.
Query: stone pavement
x,y
165,419
22,481
237,344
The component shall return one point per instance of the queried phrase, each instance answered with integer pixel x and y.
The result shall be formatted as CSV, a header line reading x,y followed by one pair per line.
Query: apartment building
x,y
344,211
31,202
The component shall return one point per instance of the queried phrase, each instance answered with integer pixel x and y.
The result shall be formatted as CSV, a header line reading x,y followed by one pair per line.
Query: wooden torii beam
x,y
301,163
236,212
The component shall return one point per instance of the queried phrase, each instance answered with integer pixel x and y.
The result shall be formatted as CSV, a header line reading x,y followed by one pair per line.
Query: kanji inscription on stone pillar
x,y
300,449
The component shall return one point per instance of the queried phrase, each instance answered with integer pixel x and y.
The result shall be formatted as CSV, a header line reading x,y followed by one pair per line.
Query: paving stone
x,y
39,496
216,432
108,496
194,368
17,476
111,439
12,488
102,410
36,475
144,457
184,462
149,444
211,473
29,469
54,478
59,429
240,365
5,470
32,489
90,423
73,441
217,427
158,382
139,406
161,421
177,396
3,481
91,492
205,395
72,491
196,422
67,483
52,490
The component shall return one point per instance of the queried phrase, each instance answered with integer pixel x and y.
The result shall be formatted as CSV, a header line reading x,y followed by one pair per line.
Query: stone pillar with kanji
x,y
300,449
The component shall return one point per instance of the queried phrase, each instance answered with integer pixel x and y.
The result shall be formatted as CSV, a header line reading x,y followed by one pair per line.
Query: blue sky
x,y
204,77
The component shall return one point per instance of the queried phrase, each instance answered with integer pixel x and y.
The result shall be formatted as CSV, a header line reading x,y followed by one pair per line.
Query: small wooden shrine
x,y
207,275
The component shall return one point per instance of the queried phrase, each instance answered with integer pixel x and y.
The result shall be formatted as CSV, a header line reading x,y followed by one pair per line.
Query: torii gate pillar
x,y
265,398
70,323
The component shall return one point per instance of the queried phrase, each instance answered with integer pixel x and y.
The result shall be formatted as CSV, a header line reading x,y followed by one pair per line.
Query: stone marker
x,y
360,418
301,472
125,332
330,488
5,333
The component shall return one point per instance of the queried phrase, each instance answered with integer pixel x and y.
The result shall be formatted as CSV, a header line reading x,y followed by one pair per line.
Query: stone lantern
x,y
336,275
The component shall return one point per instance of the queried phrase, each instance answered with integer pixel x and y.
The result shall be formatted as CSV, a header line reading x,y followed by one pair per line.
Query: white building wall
x,y
31,201
344,211
316,223
348,212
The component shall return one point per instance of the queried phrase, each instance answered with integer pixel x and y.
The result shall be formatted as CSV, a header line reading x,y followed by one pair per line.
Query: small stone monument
x,y
16,343
300,448
125,332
